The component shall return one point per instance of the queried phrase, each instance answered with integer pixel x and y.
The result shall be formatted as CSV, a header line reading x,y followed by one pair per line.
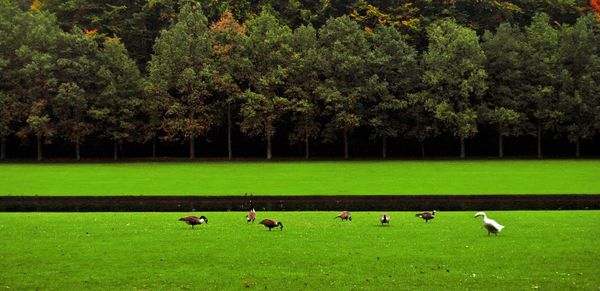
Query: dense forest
x,y
325,78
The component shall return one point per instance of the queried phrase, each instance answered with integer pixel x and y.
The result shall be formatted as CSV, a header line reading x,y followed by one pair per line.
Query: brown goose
x,y
251,216
194,220
270,223
344,215
426,215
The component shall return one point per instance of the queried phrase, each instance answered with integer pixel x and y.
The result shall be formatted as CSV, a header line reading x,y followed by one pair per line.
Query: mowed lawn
x,y
304,178
554,250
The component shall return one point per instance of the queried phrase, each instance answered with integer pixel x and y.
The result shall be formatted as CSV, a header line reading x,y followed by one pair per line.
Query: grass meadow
x,y
554,250
303,178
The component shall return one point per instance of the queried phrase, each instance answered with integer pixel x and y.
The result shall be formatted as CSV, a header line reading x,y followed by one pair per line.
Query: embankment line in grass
x,y
300,203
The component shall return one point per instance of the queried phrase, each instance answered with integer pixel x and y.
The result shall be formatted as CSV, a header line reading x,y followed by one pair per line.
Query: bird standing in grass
x,y
426,215
491,225
345,215
270,223
194,220
384,218
251,216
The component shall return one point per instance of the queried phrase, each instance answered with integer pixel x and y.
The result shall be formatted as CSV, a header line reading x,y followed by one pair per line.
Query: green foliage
x,y
393,64
36,58
579,86
302,84
541,104
344,48
116,103
507,54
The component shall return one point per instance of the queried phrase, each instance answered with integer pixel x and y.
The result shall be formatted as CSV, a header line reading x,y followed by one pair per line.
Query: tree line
x,y
319,83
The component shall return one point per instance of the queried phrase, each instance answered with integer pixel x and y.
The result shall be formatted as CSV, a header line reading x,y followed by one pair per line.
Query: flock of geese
x,y
489,224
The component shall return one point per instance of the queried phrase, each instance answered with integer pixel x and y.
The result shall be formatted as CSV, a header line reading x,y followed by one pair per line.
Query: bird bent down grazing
x,y
426,215
491,225
251,216
384,218
344,215
270,223
194,220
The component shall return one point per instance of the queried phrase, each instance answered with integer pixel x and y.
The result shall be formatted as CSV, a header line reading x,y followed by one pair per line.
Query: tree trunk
x,y
2,147
115,150
577,147
500,145
154,148
121,149
192,147
462,147
422,149
39,147
269,156
77,152
306,147
539,139
346,155
229,151
384,147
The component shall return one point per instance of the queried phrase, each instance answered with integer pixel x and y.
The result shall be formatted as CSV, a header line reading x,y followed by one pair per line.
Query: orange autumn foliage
x,y
90,32
225,31
36,5
596,5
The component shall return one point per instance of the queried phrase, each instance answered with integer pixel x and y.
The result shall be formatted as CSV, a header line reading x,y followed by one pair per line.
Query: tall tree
x,y
454,77
267,48
226,36
506,53
540,106
182,67
10,105
118,99
303,81
394,63
70,106
580,72
37,56
76,65
344,48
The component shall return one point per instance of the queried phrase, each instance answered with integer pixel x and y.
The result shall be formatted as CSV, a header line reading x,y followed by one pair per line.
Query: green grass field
x,y
554,250
304,178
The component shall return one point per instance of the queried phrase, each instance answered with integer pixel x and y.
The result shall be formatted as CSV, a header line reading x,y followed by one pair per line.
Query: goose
x,y
384,218
491,225
426,215
194,220
344,215
270,223
251,216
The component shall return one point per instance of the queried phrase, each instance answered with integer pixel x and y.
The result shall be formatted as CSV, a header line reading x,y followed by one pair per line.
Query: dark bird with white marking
x,y
384,218
427,216
270,223
194,220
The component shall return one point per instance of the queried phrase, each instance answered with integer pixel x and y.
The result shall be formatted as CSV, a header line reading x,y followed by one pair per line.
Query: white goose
x,y
491,225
